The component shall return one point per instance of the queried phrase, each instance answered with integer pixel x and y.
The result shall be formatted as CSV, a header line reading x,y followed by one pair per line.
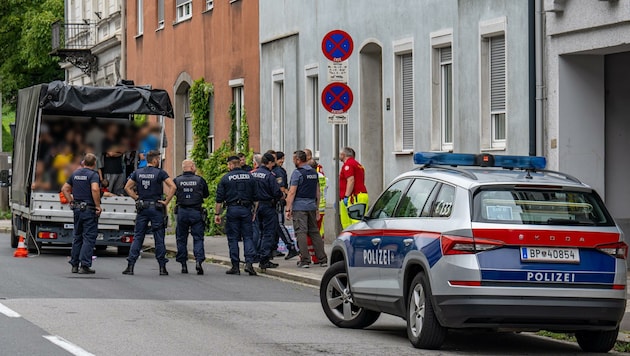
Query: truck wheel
x,y
423,328
14,235
336,299
123,250
597,341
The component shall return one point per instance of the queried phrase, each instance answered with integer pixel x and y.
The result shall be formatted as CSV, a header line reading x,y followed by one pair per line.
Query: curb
x,y
278,273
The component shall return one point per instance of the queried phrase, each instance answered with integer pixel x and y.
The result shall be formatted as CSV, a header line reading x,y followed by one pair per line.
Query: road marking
x,y
67,345
8,312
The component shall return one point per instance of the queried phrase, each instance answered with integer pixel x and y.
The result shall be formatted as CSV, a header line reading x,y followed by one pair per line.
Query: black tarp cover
x,y
58,98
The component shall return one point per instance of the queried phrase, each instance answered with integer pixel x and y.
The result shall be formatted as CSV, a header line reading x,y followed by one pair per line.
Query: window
x,y
140,14
160,13
278,115
188,130
238,96
184,10
209,4
312,110
497,89
446,98
404,102
211,123
413,203
387,202
443,204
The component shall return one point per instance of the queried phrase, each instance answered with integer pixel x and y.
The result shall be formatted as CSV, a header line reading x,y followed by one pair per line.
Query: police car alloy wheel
x,y
597,341
336,299
423,328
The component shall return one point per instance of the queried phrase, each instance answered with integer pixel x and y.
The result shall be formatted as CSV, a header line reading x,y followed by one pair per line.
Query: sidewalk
x,y
216,249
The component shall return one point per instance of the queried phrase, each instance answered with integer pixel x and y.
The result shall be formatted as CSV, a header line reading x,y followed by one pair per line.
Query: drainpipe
x,y
531,46
123,40
540,77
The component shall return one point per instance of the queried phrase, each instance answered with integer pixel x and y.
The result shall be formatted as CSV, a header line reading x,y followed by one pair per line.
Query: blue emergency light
x,y
481,160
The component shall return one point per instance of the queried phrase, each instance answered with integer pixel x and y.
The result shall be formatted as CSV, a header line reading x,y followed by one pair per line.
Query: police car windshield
x,y
531,206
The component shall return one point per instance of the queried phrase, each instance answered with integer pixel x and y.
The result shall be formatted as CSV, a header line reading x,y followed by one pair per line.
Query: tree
x,y
25,44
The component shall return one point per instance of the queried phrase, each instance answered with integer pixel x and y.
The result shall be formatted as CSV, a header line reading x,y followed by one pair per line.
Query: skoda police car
x,y
481,241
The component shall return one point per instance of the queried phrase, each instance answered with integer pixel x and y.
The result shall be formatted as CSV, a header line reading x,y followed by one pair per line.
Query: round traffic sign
x,y
337,98
337,45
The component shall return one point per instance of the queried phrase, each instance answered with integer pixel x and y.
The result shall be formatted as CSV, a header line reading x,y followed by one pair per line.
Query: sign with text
x,y
338,119
338,72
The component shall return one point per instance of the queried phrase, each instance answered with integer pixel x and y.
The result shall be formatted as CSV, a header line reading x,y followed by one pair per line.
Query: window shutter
x,y
446,54
407,101
497,73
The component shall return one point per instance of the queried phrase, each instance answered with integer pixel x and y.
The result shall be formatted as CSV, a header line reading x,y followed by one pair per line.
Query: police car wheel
x,y
423,328
336,299
597,341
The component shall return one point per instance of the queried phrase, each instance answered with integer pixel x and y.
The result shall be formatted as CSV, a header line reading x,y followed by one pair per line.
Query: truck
x,y
53,128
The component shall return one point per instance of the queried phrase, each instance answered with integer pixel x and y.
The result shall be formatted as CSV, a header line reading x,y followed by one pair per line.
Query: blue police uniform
x,y
237,190
191,191
149,181
282,232
268,194
85,219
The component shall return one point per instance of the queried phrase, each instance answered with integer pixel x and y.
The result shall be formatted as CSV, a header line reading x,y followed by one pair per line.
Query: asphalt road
x,y
214,314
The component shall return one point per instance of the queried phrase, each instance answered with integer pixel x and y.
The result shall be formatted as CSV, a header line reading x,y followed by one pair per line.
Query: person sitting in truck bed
x,y
42,179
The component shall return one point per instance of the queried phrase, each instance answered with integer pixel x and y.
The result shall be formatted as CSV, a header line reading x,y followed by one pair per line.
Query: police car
x,y
481,241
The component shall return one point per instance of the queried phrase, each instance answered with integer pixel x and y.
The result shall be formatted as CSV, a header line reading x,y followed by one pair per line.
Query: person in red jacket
x,y
352,188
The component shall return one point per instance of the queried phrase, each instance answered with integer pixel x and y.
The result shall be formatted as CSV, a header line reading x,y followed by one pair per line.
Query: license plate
x,y
100,236
550,254
68,226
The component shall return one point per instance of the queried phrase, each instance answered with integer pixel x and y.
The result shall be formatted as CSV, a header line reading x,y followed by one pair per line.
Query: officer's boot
x,y
129,270
184,267
163,271
234,269
199,268
250,269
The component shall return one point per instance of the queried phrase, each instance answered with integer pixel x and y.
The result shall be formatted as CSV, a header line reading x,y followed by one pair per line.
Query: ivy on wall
x,y
200,94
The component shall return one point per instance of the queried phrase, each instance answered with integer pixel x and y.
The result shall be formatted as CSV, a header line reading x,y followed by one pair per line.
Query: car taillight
x,y
461,245
127,239
617,249
47,235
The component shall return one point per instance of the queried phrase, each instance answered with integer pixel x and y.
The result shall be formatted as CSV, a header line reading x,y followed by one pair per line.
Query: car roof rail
x,y
561,174
464,172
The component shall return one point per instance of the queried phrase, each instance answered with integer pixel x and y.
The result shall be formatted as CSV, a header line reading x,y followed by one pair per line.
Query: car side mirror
x,y
357,211
5,178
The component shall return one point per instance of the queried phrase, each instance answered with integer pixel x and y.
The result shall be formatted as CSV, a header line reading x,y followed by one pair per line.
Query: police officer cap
x,y
233,158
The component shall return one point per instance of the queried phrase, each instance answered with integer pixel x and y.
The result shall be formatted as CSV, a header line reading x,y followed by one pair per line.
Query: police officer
x,y
151,208
282,233
191,191
83,191
268,193
237,190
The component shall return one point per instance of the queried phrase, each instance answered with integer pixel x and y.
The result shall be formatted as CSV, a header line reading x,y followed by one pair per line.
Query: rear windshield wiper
x,y
554,221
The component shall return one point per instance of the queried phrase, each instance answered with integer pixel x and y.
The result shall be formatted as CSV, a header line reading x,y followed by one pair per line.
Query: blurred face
x,y
242,159
280,161
342,156
296,161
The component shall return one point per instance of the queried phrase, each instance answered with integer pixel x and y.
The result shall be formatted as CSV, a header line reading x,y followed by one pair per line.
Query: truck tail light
x,y
47,235
127,238
461,245
617,249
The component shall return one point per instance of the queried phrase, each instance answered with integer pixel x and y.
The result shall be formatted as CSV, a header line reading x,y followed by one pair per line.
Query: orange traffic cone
x,y
21,249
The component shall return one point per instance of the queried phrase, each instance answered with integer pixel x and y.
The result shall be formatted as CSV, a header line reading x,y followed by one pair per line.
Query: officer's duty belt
x,y
266,202
194,207
245,203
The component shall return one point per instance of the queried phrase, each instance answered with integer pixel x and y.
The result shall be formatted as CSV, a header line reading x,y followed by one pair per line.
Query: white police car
x,y
481,241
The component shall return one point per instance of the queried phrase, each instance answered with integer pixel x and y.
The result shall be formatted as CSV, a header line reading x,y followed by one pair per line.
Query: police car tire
x,y
363,317
431,334
597,341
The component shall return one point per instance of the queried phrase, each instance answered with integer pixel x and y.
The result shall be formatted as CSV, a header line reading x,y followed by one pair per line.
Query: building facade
x,y
587,83
431,75
172,43
91,46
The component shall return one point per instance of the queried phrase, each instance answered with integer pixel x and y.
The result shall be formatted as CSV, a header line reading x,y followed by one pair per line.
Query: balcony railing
x,y
73,36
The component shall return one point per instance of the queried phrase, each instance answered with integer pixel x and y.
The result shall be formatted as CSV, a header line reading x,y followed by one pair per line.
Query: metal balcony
x,y
73,42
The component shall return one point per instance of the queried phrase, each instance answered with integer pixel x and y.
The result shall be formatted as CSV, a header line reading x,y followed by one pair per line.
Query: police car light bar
x,y
481,160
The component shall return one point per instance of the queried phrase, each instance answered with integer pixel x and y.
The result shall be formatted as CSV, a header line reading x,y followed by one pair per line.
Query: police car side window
x,y
412,203
443,204
387,202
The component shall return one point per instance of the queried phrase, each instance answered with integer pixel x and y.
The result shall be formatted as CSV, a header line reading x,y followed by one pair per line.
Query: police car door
x,y
404,232
367,256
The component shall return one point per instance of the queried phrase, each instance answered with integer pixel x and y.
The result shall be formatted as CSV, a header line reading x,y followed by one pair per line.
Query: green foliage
x,y
232,114
25,38
243,142
8,117
139,119
212,170
200,94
